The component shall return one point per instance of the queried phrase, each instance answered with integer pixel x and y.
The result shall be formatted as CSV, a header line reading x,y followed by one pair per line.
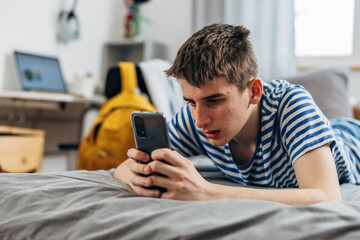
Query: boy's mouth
x,y
212,134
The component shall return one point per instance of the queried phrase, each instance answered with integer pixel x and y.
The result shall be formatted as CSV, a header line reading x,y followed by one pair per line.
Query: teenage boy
x,y
264,134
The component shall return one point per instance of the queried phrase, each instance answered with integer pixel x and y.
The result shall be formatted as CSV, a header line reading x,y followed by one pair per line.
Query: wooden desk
x,y
59,115
44,100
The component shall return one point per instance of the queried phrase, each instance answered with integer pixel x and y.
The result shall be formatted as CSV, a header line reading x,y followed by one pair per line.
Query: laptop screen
x,y
39,73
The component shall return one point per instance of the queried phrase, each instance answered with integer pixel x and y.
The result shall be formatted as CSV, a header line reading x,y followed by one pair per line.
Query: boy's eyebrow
x,y
216,95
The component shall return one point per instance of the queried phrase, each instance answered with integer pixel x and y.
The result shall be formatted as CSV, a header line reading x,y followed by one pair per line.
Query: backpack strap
x,y
128,76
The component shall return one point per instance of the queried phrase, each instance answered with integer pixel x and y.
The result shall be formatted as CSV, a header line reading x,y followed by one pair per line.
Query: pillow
x,y
328,87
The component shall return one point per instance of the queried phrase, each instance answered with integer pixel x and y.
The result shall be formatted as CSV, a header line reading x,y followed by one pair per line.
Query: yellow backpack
x,y
111,135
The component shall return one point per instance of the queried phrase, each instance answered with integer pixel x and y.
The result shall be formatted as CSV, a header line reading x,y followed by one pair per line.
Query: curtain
x,y
271,23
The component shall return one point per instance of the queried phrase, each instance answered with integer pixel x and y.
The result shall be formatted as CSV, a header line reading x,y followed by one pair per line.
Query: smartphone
x,y
150,132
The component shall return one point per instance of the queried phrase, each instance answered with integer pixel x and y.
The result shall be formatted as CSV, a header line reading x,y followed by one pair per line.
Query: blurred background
x,y
90,36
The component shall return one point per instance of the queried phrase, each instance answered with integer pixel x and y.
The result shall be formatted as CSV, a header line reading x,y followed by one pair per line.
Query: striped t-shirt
x,y
291,125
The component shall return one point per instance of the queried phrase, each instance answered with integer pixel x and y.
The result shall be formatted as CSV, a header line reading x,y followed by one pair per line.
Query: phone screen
x,y
150,131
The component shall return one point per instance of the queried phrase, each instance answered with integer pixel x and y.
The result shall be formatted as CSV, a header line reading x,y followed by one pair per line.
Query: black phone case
x,y
155,129
156,134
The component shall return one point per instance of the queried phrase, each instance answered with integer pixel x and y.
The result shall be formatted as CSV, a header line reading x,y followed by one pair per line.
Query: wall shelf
x,y
134,51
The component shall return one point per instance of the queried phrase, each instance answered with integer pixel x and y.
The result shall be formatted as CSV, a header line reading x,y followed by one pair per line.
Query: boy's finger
x,y
138,155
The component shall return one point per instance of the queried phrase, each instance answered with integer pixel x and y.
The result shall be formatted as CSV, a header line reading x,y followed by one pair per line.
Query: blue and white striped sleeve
x,y
303,127
183,134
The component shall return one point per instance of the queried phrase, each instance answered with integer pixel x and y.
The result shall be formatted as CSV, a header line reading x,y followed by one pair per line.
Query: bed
x,y
93,205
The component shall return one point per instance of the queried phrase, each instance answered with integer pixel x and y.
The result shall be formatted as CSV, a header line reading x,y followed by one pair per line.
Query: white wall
x,y
171,23
30,25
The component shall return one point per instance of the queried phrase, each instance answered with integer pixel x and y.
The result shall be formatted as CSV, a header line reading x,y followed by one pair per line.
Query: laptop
x,y
40,74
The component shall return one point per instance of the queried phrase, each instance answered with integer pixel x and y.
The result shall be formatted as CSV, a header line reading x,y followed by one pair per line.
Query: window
x,y
326,32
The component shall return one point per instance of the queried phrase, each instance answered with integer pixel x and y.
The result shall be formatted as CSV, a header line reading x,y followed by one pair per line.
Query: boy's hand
x,y
175,173
139,179
180,177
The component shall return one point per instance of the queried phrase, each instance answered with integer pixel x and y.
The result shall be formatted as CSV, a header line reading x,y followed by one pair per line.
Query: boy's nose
x,y
202,117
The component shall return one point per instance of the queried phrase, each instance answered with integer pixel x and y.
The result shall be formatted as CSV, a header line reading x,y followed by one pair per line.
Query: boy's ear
x,y
256,88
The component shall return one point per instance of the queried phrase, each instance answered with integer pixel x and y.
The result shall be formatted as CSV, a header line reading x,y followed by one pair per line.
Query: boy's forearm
x,y
286,196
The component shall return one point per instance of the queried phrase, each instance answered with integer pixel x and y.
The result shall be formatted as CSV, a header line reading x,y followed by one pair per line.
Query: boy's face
x,y
219,108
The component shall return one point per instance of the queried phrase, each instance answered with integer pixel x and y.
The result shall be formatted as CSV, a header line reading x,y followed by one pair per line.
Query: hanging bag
x,y
111,135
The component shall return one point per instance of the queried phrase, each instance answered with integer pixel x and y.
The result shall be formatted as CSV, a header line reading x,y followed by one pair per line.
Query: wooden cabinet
x,y
356,111
21,149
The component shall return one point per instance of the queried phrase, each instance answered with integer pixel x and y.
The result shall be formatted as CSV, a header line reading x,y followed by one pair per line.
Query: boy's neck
x,y
251,129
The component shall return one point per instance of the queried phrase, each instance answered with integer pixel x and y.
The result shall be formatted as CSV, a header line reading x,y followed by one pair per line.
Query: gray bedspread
x,y
93,205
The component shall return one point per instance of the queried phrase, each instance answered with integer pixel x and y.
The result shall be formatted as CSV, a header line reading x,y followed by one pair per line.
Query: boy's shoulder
x,y
278,85
278,88
277,94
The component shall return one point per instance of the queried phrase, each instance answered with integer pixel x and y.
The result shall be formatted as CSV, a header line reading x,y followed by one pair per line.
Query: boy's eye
x,y
214,101
192,103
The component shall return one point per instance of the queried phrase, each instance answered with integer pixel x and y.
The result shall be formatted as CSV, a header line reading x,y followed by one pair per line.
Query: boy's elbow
x,y
335,197
331,196
319,195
